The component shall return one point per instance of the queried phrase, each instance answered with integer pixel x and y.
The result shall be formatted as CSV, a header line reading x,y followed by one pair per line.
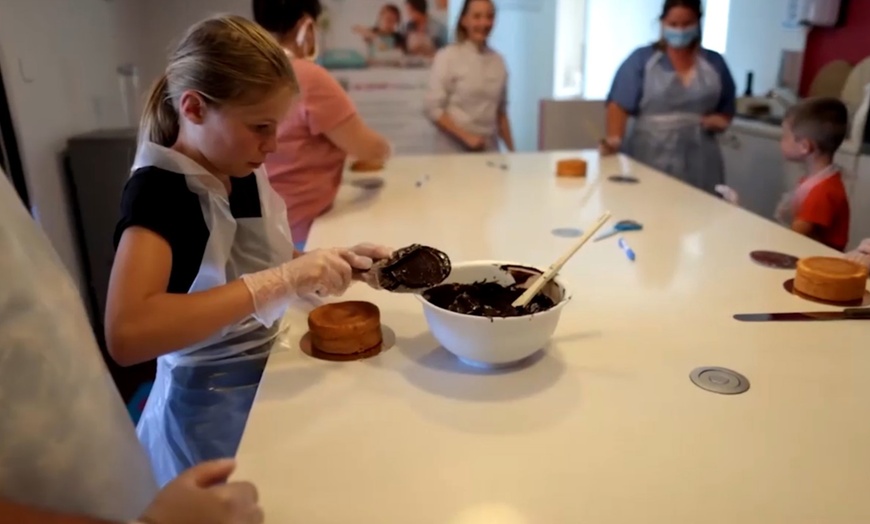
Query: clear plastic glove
x,y
859,257
784,213
374,252
864,246
201,495
323,272
728,194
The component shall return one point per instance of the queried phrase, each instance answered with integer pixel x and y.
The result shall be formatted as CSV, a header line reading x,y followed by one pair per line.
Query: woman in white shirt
x,y
467,96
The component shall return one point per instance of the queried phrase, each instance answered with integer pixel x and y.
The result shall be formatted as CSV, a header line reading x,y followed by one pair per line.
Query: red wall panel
x,y
849,42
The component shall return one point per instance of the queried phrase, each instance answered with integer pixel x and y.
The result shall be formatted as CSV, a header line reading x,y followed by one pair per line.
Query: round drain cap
x,y
720,380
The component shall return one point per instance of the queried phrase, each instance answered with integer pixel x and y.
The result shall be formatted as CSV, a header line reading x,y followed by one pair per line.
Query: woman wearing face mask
x,y
467,96
322,128
680,95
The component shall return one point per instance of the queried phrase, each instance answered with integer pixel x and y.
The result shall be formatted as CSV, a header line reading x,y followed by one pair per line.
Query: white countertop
x,y
605,427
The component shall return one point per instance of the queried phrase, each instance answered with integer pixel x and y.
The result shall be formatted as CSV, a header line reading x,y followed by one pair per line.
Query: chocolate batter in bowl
x,y
471,314
493,298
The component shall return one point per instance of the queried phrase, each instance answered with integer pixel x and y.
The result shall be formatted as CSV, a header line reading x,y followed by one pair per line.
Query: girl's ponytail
x,y
159,122
228,60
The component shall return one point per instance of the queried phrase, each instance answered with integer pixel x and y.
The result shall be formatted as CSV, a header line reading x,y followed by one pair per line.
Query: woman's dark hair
x,y
694,5
421,6
461,33
280,16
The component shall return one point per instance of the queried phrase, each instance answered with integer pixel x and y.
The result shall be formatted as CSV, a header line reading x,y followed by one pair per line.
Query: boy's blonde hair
x,y
823,121
228,60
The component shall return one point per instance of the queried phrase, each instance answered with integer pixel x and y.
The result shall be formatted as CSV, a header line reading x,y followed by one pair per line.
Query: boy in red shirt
x,y
818,208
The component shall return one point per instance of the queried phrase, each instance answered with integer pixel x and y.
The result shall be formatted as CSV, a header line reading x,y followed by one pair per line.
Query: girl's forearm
x,y
167,322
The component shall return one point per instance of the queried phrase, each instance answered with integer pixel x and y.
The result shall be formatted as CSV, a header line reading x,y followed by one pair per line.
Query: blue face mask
x,y
680,37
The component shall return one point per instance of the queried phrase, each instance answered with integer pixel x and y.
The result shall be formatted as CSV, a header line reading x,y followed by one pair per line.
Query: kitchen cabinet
x,y
754,166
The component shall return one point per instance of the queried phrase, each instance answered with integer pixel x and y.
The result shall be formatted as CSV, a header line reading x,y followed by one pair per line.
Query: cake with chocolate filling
x,y
831,279
345,328
571,167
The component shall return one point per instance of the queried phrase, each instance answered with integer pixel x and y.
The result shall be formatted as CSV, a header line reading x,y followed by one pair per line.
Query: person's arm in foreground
x,y
200,495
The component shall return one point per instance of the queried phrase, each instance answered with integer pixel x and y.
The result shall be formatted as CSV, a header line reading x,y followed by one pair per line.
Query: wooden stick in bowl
x,y
554,269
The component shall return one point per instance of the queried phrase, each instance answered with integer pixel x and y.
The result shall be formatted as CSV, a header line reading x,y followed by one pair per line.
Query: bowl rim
x,y
522,318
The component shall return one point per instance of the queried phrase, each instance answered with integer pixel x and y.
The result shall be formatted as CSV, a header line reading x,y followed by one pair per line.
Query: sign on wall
x,y
381,52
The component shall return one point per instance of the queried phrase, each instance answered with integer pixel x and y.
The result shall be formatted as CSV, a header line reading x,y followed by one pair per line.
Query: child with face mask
x,y
680,96
818,208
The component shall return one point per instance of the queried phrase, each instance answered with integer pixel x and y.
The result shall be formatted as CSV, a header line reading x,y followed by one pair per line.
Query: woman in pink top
x,y
322,129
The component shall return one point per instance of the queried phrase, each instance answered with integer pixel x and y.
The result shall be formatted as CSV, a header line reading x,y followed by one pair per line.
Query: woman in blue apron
x,y
680,97
205,263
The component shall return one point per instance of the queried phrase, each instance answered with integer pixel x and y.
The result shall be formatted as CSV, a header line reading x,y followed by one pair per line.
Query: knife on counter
x,y
855,313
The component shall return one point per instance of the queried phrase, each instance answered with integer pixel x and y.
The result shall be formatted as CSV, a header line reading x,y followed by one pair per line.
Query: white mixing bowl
x,y
498,341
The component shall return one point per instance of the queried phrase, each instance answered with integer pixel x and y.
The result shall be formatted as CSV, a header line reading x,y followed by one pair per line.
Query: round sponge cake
x,y
345,328
571,167
831,279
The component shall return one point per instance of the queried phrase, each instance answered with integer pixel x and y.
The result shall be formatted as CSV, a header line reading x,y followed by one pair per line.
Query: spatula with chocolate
x,y
412,269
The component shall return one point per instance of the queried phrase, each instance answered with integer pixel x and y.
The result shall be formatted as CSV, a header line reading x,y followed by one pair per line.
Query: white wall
x,y
613,30
570,34
525,35
715,33
756,38
59,59
166,21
